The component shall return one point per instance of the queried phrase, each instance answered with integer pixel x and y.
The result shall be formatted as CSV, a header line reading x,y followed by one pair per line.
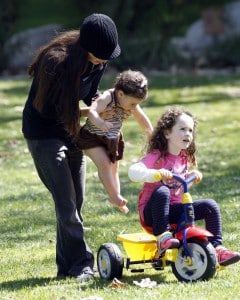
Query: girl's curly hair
x,y
158,140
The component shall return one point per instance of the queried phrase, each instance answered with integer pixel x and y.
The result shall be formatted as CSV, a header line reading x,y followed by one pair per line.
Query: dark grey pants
x,y
63,173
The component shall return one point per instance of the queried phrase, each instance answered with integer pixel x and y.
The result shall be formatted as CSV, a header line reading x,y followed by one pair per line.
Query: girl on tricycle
x,y
171,149
167,212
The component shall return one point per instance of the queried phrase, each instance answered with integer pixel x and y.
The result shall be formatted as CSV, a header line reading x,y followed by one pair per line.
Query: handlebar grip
x,y
124,209
157,176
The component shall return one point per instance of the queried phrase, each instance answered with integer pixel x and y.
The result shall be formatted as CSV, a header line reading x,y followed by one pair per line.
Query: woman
x,y
66,70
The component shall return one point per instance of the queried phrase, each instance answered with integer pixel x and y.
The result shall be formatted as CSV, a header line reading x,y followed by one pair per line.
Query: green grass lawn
x,y
27,223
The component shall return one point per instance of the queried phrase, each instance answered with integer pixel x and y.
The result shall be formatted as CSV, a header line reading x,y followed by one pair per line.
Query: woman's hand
x,y
105,126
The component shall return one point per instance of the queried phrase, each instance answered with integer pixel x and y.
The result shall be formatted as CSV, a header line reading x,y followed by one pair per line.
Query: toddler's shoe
x,y
166,241
226,257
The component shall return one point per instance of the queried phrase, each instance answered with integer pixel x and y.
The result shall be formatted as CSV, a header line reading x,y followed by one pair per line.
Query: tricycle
x,y
194,260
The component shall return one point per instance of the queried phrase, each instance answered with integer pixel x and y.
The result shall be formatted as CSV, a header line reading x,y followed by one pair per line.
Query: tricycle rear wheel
x,y
110,261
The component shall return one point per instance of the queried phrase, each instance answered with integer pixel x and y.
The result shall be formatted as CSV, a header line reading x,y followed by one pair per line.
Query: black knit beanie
x,y
98,35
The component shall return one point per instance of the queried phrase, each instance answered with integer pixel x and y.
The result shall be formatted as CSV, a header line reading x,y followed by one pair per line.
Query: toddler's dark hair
x,y
132,83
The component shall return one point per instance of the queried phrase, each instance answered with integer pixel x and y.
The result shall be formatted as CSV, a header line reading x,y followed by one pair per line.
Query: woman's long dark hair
x,y
57,69
158,140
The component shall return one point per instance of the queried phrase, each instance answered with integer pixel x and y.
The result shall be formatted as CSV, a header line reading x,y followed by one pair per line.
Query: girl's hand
x,y
197,173
166,174
162,174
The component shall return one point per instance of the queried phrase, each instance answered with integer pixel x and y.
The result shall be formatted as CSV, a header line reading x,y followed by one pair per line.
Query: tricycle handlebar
x,y
184,181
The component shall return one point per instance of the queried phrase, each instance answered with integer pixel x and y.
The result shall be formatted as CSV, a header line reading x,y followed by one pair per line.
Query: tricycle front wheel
x,y
110,261
203,263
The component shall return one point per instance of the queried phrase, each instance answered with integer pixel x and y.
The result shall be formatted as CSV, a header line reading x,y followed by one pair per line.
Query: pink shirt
x,y
176,164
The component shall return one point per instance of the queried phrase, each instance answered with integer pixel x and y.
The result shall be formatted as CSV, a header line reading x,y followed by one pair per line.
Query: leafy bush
x,y
8,15
145,27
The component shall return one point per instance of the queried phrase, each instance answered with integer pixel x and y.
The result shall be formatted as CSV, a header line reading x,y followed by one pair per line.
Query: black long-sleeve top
x,y
45,125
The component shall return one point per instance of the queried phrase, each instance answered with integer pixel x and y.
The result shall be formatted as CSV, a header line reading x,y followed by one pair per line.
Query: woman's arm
x,y
143,120
95,79
97,109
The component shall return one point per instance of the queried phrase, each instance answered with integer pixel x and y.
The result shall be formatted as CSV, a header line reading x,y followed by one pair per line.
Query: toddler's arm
x,y
143,120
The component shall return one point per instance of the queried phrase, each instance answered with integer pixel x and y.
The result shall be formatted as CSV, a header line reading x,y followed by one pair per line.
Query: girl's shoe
x,y
226,257
166,241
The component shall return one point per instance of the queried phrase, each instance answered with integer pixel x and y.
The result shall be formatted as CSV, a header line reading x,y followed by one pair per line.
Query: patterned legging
x,y
159,213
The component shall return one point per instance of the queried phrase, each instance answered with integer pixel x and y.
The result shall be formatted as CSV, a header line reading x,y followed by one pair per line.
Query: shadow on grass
x,y
190,80
20,90
156,101
97,283
15,285
8,119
